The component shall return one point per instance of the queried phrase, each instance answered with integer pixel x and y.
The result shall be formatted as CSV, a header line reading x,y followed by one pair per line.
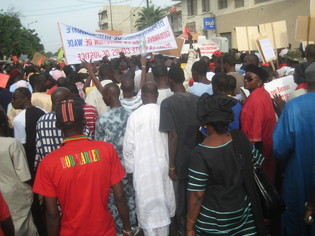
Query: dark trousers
x,y
181,196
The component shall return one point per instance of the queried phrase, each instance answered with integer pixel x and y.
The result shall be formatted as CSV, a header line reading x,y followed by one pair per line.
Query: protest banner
x,y
207,49
3,80
38,59
282,86
83,45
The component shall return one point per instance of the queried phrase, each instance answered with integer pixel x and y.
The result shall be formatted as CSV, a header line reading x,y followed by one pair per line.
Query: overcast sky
x,y
43,15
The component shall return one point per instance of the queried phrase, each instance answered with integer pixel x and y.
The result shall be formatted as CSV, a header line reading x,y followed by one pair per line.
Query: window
x,y
205,5
192,7
104,26
239,3
259,1
222,4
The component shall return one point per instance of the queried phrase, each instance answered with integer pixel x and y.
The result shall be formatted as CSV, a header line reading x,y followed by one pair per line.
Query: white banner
x,y
79,44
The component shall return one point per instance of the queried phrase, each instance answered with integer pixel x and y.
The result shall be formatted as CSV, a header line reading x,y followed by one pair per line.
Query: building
x,y
123,18
228,14
174,14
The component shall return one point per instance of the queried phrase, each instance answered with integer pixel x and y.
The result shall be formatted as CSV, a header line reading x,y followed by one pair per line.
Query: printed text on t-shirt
x,y
79,159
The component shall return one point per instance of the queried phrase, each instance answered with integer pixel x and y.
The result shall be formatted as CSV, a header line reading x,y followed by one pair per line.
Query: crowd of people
x,y
145,146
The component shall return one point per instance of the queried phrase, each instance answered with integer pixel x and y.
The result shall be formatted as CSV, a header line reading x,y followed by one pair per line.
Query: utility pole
x,y
111,15
148,4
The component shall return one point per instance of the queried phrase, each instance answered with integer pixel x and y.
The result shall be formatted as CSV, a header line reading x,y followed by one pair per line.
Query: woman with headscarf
x,y
258,117
218,201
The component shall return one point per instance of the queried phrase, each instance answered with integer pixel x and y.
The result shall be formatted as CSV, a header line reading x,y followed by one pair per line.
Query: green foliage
x,y
16,39
148,17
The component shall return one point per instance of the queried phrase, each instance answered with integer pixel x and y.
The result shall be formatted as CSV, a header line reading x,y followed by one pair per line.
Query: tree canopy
x,y
16,39
148,17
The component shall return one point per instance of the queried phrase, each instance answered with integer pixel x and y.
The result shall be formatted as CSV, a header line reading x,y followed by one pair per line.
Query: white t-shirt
x,y
19,126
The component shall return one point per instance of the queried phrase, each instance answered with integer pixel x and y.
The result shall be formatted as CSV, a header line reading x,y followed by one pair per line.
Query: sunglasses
x,y
249,79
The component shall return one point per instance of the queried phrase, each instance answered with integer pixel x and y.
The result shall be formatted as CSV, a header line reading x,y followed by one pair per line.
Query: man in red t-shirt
x,y
6,223
80,174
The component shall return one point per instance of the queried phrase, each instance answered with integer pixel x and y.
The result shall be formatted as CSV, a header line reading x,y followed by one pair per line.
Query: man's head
x,y
228,61
70,116
58,95
21,98
251,59
310,77
37,81
175,76
223,84
206,60
310,52
128,83
199,69
299,72
105,72
149,92
159,71
110,93
255,77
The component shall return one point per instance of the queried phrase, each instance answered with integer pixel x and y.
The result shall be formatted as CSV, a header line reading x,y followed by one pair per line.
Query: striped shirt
x,y
91,116
133,103
226,209
49,137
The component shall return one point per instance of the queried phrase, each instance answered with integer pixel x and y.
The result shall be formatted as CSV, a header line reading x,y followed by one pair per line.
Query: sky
x,y
43,15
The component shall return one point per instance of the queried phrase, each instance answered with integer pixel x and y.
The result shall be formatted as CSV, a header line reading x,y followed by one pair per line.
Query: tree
x,y
148,17
16,39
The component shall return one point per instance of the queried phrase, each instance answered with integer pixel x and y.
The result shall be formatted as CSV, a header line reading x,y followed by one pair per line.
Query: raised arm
x,y
89,67
143,61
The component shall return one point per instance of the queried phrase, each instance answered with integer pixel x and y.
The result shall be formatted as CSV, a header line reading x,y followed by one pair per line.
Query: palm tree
x,y
148,17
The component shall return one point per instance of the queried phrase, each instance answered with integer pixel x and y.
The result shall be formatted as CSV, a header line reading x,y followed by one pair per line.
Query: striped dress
x,y
226,209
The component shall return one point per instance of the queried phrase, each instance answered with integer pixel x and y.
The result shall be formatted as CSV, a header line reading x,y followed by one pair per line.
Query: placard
x,y
79,44
280,34
245,38
175,52
282,86
4,80
267,51
241,38
38,59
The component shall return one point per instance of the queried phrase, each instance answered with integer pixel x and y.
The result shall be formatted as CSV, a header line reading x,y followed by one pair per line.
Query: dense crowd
x,y
146,145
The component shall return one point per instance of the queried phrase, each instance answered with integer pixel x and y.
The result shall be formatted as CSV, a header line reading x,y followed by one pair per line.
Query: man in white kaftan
x,y
146,156
14,172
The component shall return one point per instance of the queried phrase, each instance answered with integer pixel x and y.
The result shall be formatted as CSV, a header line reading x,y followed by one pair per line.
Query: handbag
x,y
270,200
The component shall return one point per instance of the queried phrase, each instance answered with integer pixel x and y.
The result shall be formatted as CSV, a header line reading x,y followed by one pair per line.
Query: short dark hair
x,y
205,59
221,81
159,70
24,92
200,67
310,52
176,74
254,58
104,71
232,83
229,58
